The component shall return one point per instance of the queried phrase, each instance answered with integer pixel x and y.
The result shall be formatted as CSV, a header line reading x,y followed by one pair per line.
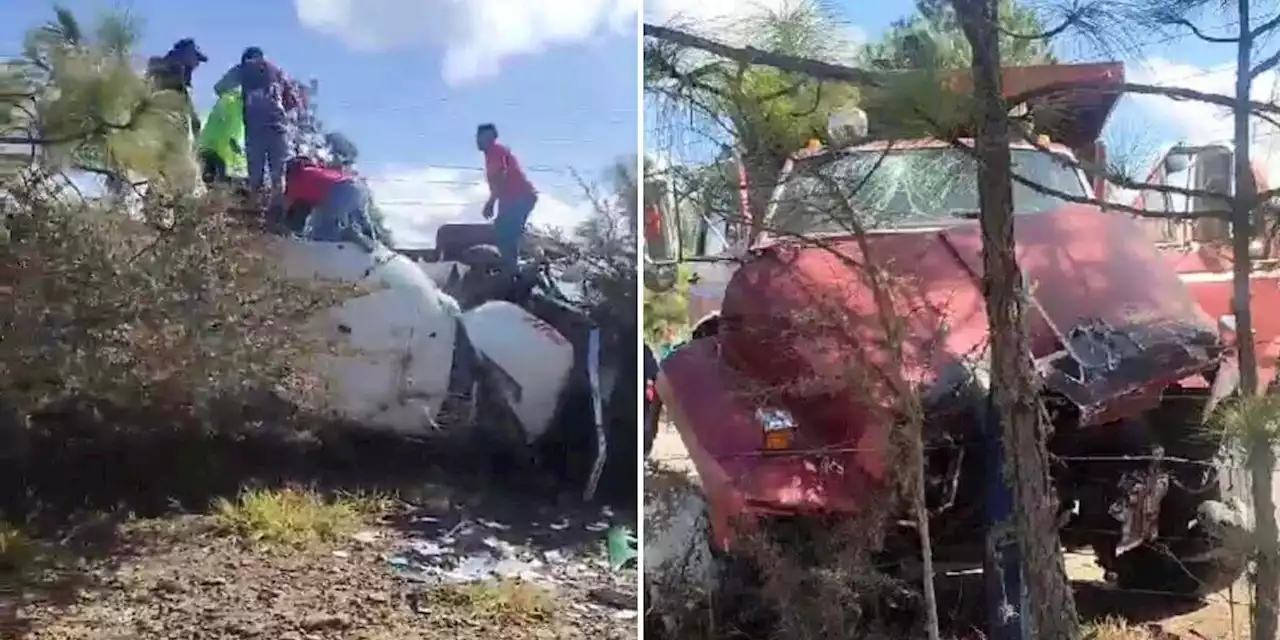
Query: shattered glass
x,y
908,187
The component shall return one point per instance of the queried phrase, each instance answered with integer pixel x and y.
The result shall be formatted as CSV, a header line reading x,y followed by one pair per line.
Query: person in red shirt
x,y
322,202
509,191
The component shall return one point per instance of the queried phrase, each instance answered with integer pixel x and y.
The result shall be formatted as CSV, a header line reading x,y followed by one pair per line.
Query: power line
x,y
631,116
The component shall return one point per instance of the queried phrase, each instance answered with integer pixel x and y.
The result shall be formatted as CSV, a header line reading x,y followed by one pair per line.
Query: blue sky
x,y
409,80
1139,127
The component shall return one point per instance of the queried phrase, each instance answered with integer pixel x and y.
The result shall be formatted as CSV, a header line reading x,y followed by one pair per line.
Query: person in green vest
x,y
221,143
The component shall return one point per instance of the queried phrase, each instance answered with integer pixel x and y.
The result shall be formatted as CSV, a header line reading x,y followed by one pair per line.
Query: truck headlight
x,y
779,428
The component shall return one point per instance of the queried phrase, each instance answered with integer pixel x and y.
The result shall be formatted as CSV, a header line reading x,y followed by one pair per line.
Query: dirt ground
x,y
443,554
178,579
1225,616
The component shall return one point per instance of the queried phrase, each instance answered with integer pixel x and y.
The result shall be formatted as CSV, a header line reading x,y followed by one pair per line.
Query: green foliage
x,y
1251,422
779,113
666,312
176,305
918,105
931,38
103,306
769,114
93,109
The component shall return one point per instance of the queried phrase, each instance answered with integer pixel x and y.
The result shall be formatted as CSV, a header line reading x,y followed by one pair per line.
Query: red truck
x,y
788,394
1199,250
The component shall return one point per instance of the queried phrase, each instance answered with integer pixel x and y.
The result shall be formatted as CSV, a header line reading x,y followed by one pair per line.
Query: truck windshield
x,y
908,188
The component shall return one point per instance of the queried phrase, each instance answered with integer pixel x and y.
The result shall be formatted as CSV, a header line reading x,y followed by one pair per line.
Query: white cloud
x,y
1197,122
477,35
417,200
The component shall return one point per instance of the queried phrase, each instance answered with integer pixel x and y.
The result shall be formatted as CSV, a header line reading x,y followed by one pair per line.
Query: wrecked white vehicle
x,y
507,361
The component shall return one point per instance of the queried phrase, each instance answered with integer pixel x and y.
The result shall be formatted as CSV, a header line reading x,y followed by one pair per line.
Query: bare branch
x,y
1187,24
1069,21
1174,93
827,71
1266,65
1265,27
754,56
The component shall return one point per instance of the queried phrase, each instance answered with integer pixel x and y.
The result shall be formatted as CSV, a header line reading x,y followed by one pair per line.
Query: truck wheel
x,y
1198,561
1205,528
1173,570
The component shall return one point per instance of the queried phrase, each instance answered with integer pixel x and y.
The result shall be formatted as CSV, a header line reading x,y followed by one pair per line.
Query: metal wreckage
x,y
1130,328
443,343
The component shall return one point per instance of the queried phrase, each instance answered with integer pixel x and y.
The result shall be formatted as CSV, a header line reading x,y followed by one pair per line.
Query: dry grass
x,y
17,551
1117,629
292,516
507,602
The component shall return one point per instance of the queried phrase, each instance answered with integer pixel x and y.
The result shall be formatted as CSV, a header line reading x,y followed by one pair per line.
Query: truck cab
x,y
1199,250
717,239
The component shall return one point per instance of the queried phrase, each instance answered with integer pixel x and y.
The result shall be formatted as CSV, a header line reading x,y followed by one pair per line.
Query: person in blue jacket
x,y
268,97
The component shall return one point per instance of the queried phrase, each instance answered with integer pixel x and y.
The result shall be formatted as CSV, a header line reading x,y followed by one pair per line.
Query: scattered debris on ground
x,y
317,545
292,565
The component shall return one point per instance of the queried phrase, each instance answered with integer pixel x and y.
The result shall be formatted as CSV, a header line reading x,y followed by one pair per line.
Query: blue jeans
x,y
266,147
345,207
508,225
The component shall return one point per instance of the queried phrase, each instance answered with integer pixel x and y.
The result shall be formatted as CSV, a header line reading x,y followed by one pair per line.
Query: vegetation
x,y
978,37
126,316
762,114
79,94
931,37
156,362
507,603
292,516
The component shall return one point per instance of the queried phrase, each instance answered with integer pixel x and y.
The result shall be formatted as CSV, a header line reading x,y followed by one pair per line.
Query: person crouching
x,y
326,203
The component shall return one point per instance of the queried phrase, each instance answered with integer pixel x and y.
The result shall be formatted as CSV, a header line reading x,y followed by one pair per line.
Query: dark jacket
x,y
268,94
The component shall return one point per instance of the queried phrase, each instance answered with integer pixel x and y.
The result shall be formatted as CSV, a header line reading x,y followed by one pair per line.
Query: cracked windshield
x,y
909,188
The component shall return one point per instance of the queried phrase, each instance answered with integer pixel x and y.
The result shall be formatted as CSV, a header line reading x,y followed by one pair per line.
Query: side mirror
x,y
1176,162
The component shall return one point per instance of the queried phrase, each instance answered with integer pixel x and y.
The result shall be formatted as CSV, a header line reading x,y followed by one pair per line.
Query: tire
x,y
1169,568
1209,556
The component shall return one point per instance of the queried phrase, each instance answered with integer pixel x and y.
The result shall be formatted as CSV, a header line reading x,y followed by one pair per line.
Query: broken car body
x,y
788,394
517,368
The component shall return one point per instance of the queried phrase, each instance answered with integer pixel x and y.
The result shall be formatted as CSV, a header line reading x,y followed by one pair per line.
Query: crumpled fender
x,y
722,435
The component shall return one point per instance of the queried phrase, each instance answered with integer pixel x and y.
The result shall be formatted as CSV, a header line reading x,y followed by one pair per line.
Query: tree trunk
x,y
762,169
1052,613
1261,457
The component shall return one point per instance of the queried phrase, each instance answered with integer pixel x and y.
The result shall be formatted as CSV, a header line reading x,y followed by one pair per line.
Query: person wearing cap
x,y
509,191
268,97
172,72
